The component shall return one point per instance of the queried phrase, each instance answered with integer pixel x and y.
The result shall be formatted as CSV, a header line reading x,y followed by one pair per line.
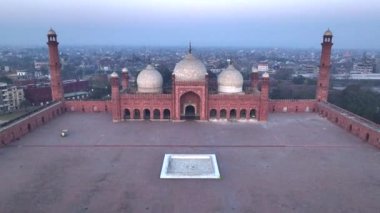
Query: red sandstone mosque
x,y
190,97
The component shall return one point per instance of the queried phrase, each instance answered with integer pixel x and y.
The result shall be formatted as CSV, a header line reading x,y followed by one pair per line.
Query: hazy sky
x,y
252,23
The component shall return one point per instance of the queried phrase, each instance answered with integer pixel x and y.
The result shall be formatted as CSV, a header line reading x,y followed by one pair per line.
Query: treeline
x,y
295,88
359,100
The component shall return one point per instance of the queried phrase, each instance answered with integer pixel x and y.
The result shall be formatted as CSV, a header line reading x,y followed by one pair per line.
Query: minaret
x,y
324,69
124,78
115,98
254,78
264,98
55,67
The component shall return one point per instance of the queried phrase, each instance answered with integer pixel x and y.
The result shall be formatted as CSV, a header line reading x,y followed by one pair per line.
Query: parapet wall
x,y
23,126
354,124
292,105
88,106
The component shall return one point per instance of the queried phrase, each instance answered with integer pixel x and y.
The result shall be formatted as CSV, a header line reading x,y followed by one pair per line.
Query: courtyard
x,y
292,163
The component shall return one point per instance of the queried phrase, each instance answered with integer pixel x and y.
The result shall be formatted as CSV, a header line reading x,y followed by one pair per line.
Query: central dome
x,y
149,80
190,69
230,80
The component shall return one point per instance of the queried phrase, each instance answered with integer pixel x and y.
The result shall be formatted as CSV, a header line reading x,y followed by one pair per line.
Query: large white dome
x,y
149,80
230,80
190,69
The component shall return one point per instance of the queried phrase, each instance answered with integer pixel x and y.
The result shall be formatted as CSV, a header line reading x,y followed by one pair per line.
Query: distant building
x,y
11,97
362,68
263,67
41,93
7,68
21,74
38,65
378,64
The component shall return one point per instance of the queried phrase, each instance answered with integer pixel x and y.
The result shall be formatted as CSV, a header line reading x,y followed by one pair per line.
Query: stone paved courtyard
x,y
292,163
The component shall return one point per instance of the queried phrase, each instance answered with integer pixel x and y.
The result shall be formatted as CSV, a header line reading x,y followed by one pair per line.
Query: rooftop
x,y
292,163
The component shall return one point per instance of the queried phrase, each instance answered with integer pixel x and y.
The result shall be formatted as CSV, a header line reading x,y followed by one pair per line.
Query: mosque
x,y
190,97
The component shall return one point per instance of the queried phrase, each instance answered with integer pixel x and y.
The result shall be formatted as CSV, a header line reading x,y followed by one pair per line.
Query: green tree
x,y
358,100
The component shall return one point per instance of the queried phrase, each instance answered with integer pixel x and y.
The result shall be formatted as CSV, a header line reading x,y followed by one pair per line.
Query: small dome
x,y
230,80
124,70
266,75
114,75
254,69
328,33
190,69
51,32
149,80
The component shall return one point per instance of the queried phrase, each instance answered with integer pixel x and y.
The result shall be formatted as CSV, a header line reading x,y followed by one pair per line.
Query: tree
x,y
5,79
358,100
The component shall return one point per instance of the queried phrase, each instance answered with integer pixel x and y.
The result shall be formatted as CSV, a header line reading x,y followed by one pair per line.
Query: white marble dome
x,y
230,80
190,69
149,80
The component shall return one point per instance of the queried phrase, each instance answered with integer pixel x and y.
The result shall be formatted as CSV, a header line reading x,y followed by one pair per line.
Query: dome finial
x,y
190,47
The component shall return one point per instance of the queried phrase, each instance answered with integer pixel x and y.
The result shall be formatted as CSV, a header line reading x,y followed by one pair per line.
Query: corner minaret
x,y
264,98
115,97
55,67
124,78
324,69
254,78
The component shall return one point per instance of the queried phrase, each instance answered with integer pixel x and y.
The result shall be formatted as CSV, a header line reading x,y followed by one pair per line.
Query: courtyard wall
x,y
366,130
292,105
88,106
25,124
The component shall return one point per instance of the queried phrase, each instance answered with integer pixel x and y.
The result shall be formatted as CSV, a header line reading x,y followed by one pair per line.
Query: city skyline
x,y
295,24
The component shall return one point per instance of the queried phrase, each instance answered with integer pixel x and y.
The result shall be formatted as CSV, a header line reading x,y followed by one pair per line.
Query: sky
x,y
221,23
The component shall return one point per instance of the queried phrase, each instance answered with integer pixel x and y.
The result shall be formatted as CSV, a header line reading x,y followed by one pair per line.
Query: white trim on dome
x,y
229,89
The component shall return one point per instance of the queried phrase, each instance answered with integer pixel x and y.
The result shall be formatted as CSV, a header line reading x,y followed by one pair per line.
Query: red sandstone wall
x,y
16,130
292,105
149,102
356,125
88,106
230,102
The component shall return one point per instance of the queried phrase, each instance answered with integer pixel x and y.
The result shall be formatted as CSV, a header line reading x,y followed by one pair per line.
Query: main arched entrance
x,y
190,104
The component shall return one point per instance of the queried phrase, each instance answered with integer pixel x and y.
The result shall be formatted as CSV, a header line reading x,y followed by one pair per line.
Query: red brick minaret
x,y
264,98
254,78
55,67
324,69
115,98
124,78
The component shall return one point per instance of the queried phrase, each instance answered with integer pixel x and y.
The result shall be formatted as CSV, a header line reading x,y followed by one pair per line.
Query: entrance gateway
x,y
190,113
190,105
